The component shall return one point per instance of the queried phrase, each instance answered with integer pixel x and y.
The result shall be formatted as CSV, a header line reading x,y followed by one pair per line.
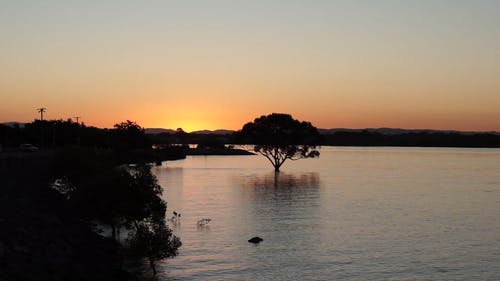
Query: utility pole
x,y
41,110
78,139
77,119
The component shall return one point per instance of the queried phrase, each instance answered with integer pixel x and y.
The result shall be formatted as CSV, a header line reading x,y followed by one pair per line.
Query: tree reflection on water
x,y
281,188
282,180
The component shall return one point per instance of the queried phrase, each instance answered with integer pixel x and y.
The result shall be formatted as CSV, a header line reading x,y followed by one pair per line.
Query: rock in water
x,y
256,240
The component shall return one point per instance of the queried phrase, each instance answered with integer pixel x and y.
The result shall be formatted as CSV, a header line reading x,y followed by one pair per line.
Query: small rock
x,y
256,240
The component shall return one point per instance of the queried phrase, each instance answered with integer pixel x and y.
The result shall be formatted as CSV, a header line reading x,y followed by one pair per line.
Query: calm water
x,y
352,214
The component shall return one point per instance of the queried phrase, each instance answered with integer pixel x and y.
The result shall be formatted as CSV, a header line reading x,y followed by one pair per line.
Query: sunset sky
x,y
218,64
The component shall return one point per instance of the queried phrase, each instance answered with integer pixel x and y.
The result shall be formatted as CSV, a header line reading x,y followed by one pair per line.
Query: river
x,y
355,213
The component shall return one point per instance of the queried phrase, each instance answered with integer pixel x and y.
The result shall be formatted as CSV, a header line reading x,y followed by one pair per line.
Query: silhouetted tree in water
x,y
153,240
279,137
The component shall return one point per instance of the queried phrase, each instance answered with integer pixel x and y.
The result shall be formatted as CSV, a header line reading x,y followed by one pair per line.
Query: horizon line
x,y
333,128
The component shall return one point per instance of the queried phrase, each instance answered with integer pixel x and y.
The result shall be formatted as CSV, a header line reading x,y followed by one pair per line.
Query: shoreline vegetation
x,y
54,204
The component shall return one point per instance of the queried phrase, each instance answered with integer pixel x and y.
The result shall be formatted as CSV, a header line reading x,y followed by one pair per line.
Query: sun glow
x,y
187,125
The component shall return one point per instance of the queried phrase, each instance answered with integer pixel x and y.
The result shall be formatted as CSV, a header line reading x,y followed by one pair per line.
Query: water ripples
x,y
352,214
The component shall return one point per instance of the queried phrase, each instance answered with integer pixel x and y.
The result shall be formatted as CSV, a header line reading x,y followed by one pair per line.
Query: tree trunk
x,y
276,178
152,265
113,231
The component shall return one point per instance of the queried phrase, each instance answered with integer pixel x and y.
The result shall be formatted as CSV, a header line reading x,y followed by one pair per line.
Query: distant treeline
x,y
422,139
127,135
57,133
127,139
354,138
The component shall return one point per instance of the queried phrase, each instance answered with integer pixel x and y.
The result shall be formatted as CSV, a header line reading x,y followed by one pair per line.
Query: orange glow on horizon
x,y
173,65
192,114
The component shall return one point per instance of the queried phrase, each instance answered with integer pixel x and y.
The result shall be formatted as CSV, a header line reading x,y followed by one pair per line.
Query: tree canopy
x,y
129,135
279,137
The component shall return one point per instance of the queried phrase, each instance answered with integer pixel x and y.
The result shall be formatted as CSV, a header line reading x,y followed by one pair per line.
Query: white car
x,y
27,147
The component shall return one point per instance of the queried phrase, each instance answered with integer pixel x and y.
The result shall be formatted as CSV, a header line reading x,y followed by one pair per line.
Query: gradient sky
x,y
218,64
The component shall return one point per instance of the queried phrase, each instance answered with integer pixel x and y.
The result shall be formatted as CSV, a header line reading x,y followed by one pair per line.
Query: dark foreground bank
x,y
41,237
46,235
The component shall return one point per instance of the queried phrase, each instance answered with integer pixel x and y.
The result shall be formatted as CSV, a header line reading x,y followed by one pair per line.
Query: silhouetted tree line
x,y
57,133
128,135
422,139
357,138
127,139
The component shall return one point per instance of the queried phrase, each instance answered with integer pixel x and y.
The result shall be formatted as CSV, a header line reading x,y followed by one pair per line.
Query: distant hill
x,y
215,132
383,131
154,131
397,131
